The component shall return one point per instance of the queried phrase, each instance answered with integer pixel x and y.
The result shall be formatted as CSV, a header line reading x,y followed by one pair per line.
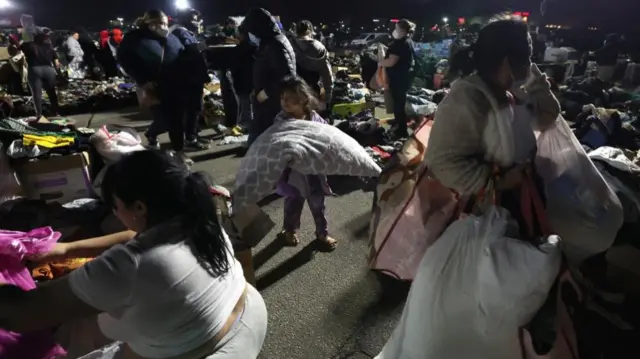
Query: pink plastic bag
x,y
412,211
14,246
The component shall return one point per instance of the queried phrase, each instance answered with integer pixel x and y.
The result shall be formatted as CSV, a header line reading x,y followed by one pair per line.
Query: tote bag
x,y
411,211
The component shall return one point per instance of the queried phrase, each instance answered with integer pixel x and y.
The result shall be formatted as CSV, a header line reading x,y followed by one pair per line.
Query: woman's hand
x,y
262,96
512,178
59,252
545,102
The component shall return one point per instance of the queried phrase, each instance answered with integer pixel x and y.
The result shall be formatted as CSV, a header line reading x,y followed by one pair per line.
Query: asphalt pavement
x,y
321,305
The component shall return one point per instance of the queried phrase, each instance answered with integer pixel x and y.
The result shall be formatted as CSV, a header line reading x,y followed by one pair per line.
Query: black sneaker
x,y
152,142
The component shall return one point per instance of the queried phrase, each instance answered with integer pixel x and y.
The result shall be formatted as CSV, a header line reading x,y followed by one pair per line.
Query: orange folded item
x,y
62,268
42,272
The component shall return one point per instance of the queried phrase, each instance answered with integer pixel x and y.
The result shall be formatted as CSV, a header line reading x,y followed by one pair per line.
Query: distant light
x,y
445,20
5,4
394,21
461,20
120,19
179,4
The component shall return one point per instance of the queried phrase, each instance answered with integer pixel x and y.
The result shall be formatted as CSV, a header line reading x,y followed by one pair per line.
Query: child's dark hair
x,y
504,37
297,85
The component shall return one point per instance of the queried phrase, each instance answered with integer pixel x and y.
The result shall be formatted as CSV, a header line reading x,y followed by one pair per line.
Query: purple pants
x,y
293,209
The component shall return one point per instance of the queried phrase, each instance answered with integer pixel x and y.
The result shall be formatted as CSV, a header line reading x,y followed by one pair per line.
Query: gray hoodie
x,y
312,58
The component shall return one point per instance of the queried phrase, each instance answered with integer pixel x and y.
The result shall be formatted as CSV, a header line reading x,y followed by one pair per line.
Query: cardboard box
x,y
56,179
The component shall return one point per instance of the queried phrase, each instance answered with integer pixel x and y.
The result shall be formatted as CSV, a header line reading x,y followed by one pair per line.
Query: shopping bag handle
x,y
532,207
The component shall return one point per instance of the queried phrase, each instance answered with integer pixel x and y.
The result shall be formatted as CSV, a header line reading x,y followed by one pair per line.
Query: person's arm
x,y
456,155
394,52
327,81
93,247
129,61
280,63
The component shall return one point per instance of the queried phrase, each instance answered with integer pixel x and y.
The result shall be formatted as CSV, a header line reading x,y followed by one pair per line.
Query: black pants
x,y
43,78
263,116
177,114
398,89
229,101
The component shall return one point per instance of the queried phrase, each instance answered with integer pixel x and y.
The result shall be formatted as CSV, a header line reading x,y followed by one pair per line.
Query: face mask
x,y
254,39
160,30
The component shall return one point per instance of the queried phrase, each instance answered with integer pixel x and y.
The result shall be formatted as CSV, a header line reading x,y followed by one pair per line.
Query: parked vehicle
x,y
369,38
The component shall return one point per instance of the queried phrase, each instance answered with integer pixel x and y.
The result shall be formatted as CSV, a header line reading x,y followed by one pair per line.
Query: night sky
x,y
69,13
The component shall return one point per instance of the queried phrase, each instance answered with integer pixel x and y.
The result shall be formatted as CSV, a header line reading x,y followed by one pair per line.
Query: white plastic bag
x,y
112,146
474,290
581,207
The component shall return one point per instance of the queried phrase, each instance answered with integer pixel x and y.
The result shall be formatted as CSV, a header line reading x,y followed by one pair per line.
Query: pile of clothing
x,y
371,134
349,91
352,63
83,96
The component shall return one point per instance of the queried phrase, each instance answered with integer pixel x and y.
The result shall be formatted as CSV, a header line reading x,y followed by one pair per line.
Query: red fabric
x,y
531,205
104,38
117,36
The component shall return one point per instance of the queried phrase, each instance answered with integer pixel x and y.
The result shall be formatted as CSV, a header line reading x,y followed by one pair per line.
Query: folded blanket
x,y
308,147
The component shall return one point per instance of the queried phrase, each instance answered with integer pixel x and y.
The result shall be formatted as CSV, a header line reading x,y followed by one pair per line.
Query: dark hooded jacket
x,y
608,54
313,64
275,58
242,66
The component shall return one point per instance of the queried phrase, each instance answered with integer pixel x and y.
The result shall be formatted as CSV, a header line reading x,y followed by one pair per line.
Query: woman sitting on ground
x,y
173,290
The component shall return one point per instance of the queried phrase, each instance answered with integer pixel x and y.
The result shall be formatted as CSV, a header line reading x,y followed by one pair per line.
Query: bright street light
x,y
180,4
445,20
5,4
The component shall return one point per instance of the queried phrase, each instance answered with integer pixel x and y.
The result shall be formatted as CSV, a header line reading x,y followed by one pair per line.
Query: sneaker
x,y
152,142
182,156
196,146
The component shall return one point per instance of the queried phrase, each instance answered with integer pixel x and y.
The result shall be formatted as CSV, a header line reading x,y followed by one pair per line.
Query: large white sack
x,y
474,290
582,209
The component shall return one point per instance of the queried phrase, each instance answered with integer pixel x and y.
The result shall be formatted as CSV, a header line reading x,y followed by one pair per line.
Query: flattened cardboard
x,y
56,179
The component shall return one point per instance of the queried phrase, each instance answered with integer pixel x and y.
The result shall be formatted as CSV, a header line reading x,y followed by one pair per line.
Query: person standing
x,y
242,80
41,59
75,56
187,29
275,60
312,61
399,62
607,58
151,55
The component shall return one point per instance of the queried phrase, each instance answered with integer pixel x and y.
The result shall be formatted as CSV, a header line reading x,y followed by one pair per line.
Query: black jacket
x,y
242,67
275,58
608,54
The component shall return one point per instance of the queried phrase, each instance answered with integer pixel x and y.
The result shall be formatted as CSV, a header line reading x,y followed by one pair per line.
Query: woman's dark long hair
x,y
169,191
505,37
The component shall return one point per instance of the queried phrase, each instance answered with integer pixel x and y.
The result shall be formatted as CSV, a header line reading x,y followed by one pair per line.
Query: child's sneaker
x,y
289,238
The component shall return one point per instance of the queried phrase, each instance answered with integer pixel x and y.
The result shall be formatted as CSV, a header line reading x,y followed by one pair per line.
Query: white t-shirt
x,y
155,295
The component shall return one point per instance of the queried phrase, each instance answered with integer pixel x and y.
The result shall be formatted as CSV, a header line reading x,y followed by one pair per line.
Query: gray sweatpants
x,y
244,340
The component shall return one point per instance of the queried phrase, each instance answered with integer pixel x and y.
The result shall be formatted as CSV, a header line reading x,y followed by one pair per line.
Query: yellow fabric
x,y
47,141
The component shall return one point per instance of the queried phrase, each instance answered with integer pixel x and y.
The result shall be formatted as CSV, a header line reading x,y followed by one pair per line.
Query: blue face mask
x,y
254,39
